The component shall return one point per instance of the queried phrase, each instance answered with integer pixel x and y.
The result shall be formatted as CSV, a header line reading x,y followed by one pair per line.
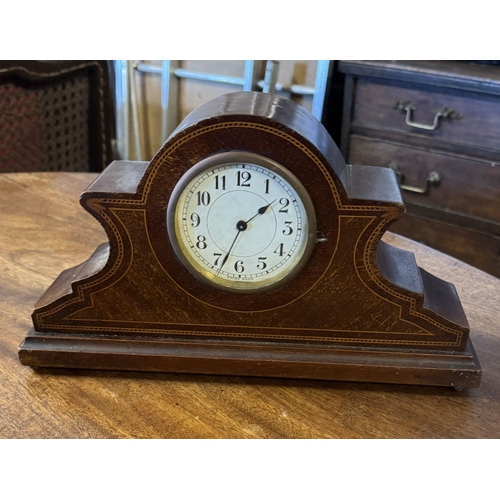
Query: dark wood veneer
x,y
360,309
461,213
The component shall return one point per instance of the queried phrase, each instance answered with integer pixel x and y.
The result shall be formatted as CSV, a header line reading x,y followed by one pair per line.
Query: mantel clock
x,y
247,246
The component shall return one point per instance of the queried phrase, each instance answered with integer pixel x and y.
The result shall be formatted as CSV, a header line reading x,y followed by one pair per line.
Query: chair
x,y
55,116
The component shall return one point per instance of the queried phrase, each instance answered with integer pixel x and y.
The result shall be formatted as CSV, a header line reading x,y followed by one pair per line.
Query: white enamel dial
x,y
241,222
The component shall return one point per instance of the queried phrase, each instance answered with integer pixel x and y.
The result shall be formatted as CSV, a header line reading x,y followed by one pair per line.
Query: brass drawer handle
x,y
433,179
445,113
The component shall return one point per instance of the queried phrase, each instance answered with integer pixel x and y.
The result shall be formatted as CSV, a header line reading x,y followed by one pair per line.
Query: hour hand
x,y
262,210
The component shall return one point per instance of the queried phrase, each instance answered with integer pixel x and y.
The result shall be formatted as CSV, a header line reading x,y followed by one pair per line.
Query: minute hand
x,y
224,260
262,210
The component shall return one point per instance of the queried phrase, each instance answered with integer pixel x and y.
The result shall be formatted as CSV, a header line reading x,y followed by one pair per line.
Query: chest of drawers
x,y
437,124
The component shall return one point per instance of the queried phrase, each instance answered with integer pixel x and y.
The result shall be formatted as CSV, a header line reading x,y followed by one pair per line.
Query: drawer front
x,y
478,250
468,186
375,106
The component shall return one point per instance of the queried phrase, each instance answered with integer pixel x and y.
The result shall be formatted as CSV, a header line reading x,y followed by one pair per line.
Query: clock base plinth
x,y
160,354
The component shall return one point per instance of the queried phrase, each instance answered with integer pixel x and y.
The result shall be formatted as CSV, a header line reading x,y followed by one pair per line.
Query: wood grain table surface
x,y
43,231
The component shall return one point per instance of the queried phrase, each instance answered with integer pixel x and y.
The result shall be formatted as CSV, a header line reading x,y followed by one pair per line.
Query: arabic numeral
x,y
284,202
238,266
288,229
261,264
243,178
220,183
203,198
201,242
280,250
195,220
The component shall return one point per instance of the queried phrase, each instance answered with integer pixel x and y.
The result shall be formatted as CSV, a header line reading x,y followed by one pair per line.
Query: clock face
x,y
241,222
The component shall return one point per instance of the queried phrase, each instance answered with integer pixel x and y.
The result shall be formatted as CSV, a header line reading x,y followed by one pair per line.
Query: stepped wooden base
x,y
438,368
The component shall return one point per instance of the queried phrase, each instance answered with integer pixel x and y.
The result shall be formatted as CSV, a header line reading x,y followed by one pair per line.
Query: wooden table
x,y
43,230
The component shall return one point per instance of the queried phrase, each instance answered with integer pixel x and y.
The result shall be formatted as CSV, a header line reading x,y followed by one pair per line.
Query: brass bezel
x,y
233,157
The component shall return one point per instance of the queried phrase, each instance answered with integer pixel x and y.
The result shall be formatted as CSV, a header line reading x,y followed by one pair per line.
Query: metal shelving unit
x,y
128,130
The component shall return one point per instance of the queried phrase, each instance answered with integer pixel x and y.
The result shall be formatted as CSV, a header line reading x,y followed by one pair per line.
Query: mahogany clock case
x,y
359,310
